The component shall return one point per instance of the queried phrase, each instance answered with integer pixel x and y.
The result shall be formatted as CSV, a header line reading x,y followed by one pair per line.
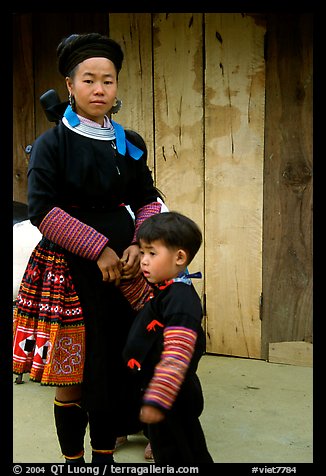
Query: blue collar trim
x,y
71,117
123,144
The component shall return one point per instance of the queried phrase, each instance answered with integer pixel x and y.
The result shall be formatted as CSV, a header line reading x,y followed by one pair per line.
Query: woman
x,y
89,189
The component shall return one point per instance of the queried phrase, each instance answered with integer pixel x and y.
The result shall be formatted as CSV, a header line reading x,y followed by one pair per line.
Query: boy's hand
x,y
131,262
149,414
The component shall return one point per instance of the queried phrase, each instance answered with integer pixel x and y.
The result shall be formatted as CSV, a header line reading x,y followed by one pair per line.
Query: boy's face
x,y
159,263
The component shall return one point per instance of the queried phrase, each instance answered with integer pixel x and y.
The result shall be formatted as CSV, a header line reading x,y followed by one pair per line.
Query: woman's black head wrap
x,y
76,48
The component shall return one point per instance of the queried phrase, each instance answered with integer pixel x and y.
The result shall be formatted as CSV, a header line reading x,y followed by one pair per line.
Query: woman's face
x,y
94,87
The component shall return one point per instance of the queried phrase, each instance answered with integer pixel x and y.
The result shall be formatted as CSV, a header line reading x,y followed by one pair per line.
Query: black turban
x,y
77,48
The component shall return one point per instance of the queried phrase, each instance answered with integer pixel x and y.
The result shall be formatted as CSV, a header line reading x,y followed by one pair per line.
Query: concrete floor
x,y
255,412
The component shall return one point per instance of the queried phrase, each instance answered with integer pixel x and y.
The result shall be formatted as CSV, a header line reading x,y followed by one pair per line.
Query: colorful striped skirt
x,y
49,331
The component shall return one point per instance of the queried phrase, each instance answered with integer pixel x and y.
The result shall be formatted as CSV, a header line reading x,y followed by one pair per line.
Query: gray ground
x,y
255,412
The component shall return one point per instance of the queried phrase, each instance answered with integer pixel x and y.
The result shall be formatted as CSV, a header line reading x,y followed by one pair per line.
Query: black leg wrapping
x,y
102,435
102,458
76,461
71,422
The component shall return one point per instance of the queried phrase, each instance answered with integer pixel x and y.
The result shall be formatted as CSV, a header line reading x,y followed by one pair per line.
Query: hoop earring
x,y
72,102
116,107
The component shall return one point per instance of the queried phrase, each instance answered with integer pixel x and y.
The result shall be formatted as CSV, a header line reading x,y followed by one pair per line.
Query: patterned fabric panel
x,y
49,331
53,355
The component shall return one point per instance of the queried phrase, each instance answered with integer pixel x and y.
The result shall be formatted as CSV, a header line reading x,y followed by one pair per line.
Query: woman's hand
x,y
149,414
131,262
110,265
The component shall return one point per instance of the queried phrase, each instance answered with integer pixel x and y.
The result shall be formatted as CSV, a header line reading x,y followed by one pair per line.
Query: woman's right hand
x,y
110,265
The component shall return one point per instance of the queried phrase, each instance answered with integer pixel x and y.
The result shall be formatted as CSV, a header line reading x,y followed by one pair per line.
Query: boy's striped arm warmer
x,y
179,345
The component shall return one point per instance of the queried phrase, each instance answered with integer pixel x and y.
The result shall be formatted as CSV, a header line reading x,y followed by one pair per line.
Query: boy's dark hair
x,y
174,230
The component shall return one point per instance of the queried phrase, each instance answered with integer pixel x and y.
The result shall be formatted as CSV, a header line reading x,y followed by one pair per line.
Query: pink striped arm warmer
x,y
179,345
71,234
143,213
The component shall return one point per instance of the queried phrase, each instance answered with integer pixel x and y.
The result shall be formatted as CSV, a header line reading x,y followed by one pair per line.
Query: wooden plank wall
x,y
287,286
234,155
23,102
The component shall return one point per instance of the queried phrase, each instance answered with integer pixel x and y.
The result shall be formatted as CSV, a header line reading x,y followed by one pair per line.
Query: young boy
x,y
167,341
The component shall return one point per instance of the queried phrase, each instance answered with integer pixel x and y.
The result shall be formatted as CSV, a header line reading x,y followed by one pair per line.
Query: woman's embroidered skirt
x,y
49,331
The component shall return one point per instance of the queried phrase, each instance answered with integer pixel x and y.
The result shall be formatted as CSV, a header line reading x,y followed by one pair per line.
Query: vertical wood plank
x,y
287,284
178,96
234,140
134,33
23,102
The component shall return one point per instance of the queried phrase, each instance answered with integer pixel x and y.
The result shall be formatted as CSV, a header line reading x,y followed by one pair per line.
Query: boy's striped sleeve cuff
x,y
169,374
